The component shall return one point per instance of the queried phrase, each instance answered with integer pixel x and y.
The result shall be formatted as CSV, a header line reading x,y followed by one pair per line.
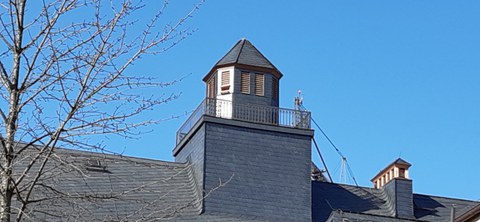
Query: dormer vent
x,y
397,169
96,165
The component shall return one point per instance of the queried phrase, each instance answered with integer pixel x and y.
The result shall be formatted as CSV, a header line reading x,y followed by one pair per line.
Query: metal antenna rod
x,y
343,171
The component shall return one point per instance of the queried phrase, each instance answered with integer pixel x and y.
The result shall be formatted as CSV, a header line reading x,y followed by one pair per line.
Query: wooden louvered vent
x,y
212,87
225,82
259,84
245,83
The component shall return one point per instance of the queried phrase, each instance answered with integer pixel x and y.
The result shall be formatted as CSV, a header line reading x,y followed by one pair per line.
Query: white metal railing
x,y
246,112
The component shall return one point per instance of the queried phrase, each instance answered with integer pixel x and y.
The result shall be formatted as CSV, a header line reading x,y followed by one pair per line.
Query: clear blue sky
x,y
385,79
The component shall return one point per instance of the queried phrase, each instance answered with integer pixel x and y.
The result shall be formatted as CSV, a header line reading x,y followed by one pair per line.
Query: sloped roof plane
x,y
245,53
330,200
115,188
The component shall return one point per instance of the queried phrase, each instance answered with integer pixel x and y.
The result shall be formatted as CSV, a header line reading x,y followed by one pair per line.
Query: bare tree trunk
x,y
6,192
8,156
6,188
6,172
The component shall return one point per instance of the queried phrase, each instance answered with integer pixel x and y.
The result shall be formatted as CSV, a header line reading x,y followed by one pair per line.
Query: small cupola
x,y
394,182
397,169
244,76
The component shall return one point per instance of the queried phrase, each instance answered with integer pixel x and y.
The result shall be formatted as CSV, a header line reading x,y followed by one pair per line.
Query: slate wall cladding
x,y
270,173
193,151
400,195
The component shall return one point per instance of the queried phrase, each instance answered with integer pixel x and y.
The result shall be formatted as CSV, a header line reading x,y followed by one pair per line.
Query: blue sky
x,y
385,79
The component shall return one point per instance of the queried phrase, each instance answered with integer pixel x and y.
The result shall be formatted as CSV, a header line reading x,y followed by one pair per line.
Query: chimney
x,y
394,181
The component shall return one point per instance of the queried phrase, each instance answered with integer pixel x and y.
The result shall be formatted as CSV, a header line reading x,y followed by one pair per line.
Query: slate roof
x,y
209,217
245,53
86,186
348,216
330,200
433,208
89,186
330,196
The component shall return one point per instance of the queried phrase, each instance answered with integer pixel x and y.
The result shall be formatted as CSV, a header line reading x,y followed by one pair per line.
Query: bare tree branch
x,y
64,78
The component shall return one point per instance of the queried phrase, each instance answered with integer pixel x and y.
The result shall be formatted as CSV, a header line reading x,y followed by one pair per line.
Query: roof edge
x,y
274,72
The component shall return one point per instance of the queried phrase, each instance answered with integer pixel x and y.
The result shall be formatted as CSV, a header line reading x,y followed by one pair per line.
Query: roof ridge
x,y
228,53
443,197
118,156
243,40
348,185
374,189
263,55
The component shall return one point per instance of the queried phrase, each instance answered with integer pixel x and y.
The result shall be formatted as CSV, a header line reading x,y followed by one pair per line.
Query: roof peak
x,y
244,53
401,161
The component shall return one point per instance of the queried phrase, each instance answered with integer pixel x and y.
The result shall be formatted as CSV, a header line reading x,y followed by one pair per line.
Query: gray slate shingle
x,y
124,188
243,52
362,203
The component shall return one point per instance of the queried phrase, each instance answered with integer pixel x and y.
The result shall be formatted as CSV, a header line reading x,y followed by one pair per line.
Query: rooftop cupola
x,y
397,169
394,182
244,76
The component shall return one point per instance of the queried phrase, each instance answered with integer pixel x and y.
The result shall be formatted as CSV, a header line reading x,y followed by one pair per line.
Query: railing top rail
x,y
256,105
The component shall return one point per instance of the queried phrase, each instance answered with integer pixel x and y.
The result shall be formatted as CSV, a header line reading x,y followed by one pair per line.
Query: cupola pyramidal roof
x,y
245,54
